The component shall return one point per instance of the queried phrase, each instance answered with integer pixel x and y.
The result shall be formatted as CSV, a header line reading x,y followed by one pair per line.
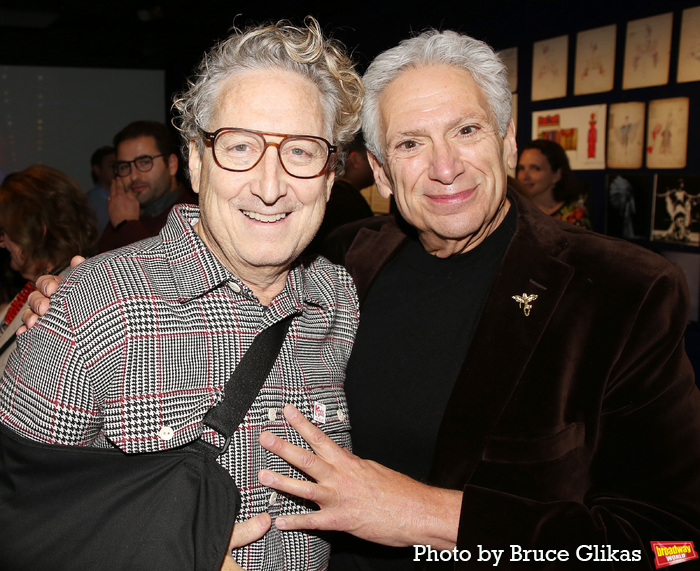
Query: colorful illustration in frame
x,y
580,130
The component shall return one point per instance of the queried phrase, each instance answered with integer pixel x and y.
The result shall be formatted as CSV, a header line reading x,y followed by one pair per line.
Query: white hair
x,y
430,48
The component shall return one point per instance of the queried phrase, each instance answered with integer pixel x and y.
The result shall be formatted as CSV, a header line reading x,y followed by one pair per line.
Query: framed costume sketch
x,y
676,210
689,49
647,51
667,133
595,60
549,68
509,58
626,135
580,130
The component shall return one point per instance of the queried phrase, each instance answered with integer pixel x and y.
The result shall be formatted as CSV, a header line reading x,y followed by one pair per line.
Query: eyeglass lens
x,y
142,164
240,150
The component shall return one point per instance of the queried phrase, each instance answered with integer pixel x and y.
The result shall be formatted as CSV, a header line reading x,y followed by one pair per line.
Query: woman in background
x,y
44,221
546,178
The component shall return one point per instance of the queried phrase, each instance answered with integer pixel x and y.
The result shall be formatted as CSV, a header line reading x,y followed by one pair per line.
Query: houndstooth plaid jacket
x,y
139,342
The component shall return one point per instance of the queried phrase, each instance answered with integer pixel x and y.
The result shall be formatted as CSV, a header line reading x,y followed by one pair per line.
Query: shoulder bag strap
x,y
243,386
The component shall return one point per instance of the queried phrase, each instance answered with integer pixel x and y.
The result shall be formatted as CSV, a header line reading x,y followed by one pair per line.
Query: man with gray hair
x,y
518,389
139,342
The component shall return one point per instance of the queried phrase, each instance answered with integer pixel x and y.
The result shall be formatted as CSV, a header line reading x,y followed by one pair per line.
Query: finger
x,y
76,261
319,441
38,303
47,285
299,488
304,460
313,520
117,187
250,530
29,319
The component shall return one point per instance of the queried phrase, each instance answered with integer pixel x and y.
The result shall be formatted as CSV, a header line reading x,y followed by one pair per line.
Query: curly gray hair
x,y
430,48
276,46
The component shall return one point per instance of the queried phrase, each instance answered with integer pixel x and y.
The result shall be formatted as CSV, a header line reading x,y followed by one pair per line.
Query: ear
x,y
381,179
557,176
195,165
173,163
330,179
352,159
510,147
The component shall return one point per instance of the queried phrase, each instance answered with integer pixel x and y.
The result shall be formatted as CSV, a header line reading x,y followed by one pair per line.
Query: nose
x,y
446,163
270,184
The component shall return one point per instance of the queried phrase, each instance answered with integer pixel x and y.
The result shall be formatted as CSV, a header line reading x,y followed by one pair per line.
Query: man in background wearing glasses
x,y
145,187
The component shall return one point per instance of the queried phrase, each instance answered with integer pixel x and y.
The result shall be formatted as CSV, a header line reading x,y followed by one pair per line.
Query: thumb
x,y
250,530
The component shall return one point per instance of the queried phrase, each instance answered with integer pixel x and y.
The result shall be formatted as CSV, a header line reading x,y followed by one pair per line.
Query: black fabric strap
x,y
244,385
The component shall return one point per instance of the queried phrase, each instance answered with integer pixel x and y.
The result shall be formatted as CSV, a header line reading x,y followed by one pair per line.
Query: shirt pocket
x,y
328,410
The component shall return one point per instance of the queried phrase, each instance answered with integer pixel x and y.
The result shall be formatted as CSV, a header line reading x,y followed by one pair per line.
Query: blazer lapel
x,y
369,253
504,340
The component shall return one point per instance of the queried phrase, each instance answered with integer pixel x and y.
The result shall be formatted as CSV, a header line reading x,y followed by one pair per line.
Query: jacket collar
x,y
503,342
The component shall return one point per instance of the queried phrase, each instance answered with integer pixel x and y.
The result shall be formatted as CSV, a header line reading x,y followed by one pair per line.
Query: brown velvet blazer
x,y
578,424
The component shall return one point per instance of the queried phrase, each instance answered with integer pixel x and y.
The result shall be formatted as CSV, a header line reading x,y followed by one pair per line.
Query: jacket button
x,y
166,433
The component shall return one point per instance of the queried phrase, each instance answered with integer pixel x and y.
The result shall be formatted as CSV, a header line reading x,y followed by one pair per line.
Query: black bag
x,y
84,508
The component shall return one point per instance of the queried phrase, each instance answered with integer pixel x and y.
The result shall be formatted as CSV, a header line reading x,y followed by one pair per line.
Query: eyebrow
x,y
460,121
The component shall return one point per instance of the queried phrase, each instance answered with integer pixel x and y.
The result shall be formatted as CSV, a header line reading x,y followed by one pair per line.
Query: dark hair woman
x,y
44,221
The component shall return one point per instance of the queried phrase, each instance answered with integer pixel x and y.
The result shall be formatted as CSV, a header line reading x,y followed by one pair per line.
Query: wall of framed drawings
x,y
623,99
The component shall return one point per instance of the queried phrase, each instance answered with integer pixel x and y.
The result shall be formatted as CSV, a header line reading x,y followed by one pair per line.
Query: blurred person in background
x,y
102,173
44,220
546,178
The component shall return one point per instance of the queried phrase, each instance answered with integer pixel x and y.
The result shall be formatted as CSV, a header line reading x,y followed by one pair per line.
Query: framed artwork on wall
x,y
626,135
509,58
595,60
676,210
629,205
549,68
667,133
647,52
689,49
580,130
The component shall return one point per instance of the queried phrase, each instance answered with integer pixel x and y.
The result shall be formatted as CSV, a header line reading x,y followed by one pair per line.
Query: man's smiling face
x,y
261,219
445,159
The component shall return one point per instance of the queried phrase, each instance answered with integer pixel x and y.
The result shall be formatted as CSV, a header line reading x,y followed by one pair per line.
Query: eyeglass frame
x,y
118,163
210,137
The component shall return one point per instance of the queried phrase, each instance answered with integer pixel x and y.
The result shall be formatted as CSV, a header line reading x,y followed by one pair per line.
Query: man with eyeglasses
x,y
140,341
145,186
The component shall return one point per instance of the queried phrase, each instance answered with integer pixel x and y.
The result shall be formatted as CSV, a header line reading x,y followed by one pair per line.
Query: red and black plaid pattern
x,y
139,342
